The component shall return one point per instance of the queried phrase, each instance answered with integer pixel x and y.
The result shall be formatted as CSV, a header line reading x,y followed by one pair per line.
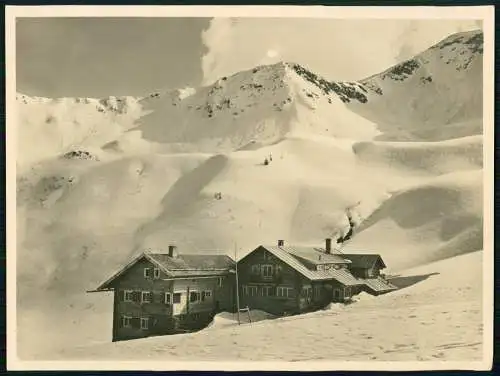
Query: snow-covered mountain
x,y
99,180
439,88
49,127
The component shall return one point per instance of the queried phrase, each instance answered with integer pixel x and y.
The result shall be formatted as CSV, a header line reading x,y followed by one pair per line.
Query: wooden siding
x,y
306,295
371,272
255,287
165,317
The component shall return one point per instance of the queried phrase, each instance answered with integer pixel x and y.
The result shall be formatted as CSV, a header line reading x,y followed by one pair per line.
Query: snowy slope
x,y
438,318
49,127
422,93
433,220
116,176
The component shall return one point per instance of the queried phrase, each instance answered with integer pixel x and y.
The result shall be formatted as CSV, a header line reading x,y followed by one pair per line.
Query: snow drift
x,y
438,318
119,175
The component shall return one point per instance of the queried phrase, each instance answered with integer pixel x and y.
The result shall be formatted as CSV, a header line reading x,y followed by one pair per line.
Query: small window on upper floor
x,y
148,273
267,271
168,298
256,269
156,272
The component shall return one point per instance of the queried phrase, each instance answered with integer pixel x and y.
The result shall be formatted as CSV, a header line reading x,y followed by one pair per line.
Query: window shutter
x,y
159,297
121,296
136,296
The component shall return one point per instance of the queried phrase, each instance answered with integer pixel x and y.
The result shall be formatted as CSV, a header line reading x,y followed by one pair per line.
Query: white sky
x,y
339,49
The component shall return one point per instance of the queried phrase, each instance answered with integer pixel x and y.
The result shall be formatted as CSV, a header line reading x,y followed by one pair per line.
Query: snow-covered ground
x,y
437,318
145,170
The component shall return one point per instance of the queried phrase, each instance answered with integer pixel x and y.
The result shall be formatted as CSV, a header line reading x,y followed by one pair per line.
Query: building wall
x,y
372,272
222,290
164,317
279,292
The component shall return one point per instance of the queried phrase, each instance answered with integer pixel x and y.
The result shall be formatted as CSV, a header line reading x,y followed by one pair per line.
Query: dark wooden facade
x,y
269,284
157,304
365,266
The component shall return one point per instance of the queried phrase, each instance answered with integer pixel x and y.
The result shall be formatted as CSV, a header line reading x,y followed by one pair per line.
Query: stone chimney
x,y
172,251
281,243
328,245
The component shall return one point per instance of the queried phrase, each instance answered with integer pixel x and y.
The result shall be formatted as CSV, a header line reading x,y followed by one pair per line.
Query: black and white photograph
x,y
250,188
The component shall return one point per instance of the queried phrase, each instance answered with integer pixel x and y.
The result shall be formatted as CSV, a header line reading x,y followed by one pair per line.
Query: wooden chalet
x,y
287,279
165,293
368,267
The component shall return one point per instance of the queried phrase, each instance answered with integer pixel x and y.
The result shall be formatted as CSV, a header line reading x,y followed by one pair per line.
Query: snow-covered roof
x,y
191,265
379,284
364,261
342,276
316,256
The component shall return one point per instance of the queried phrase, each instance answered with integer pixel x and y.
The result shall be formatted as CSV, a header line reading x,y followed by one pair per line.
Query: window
x,y
156,273
279,269
146,297
126,321
196,316
219,282
327,267
336,294
347,292
284,292
267,291
147,272
267,271
205,295
250,290
144,323
128,296
168,298
177,298
194,296
255,269
320,267
307,291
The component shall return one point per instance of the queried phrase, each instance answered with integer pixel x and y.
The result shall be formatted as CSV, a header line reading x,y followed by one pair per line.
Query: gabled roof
x,y
364,261
342,276
179,266
193,262
316,256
